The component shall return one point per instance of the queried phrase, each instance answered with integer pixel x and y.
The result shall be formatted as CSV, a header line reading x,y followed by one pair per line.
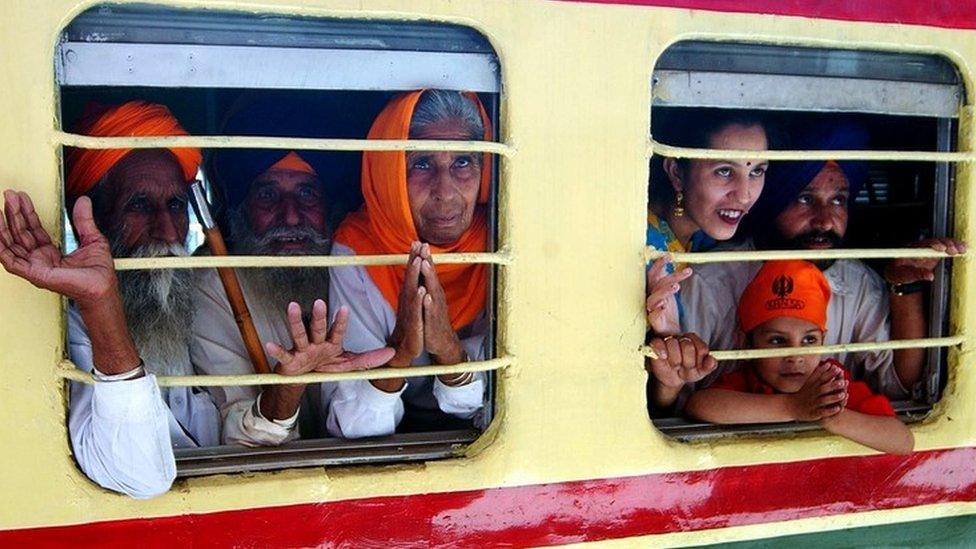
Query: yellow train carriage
x,y
567,452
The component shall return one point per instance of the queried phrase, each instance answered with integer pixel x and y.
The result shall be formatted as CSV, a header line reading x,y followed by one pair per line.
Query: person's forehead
x,y
739,136
787,323
830,178
446,128
151,171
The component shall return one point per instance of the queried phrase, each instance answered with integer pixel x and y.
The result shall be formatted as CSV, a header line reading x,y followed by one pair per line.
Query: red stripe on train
x,y
934,13
557,513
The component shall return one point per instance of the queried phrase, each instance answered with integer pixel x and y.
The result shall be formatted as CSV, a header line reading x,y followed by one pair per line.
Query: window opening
x,y
907,102
201,63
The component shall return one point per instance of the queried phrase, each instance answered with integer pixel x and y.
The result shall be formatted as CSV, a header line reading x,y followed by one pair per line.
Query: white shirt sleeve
x,y
463,401
357,408
872,322
120,431
709,310
217,349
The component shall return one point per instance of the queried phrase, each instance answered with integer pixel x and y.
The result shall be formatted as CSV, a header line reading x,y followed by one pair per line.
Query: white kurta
x,y
857,312
123,433
217,349
358,409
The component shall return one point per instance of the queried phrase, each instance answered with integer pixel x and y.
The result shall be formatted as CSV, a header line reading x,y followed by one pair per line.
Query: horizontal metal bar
x,y
651,253
887,156
68,370
254,261
696,88
750,354
272,67
290,143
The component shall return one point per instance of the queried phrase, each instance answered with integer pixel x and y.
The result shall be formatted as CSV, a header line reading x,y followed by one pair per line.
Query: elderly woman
x,y
422,203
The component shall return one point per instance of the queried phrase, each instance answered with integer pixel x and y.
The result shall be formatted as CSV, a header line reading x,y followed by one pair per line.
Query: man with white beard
x,y
276,205
125,329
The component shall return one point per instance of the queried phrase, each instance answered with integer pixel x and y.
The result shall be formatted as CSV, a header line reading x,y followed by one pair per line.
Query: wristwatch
x,y
909,287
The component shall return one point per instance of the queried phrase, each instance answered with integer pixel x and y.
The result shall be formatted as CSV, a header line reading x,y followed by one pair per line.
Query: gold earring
x,y
679,207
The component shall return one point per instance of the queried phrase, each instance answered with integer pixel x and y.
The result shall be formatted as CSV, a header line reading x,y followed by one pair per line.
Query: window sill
x,y
401,448
687,430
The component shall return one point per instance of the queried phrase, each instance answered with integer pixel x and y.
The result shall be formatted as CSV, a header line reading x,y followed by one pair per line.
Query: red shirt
x,y
859,395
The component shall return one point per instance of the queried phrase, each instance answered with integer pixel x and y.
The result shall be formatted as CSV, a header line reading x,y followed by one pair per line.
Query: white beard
x,y
159,311
274,288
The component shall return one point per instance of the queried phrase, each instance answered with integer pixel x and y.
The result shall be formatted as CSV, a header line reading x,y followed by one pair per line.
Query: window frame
x,y
680,79
77,55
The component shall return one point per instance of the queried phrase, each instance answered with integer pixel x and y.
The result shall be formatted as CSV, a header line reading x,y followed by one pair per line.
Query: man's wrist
x,y
280,402
908,288
139,370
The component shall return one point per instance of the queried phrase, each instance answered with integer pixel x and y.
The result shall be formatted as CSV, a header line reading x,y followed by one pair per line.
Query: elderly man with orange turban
x,y
278,203
423,203
123,328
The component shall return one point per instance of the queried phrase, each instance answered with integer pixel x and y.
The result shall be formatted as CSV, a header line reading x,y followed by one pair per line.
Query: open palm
x,y
26,250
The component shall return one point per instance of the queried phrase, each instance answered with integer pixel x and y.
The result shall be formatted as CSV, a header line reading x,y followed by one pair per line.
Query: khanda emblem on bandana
x,y
782,287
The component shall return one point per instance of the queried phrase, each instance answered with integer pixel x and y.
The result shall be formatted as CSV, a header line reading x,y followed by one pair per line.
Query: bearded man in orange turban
x,y
418,203
278,203
122,328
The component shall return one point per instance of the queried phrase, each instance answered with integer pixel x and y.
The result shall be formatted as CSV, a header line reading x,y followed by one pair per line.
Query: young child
x,y
785,305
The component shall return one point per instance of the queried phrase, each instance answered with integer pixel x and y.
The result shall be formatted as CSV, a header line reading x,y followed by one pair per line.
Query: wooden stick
x,y
232,286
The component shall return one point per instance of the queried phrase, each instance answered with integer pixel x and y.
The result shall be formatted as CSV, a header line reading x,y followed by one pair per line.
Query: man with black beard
x,y
805,206
124,329
276,205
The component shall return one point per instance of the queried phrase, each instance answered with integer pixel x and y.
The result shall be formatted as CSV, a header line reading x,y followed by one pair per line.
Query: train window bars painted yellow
x,y
908,103
198,63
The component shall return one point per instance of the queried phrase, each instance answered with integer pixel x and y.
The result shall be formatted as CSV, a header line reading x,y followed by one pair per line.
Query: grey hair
x,y
437,105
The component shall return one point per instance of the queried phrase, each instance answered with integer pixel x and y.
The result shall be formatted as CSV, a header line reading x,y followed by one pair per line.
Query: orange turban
x,y
785,288
384,225
86,167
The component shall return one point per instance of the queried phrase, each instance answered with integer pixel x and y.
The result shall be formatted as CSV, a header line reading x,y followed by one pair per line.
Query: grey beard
x,y
159,310
273,289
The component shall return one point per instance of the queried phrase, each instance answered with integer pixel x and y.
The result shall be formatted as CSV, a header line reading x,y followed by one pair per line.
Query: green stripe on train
x,y
943,532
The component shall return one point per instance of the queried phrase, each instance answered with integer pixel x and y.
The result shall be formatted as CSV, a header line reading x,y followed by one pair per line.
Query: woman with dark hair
x,y
693,203
696,202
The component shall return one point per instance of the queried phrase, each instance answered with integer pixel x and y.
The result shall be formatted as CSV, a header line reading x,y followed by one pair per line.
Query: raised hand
x,y
408,334
26,250
908,270
661,305
321,350
440,340
823,395
680,360
318,351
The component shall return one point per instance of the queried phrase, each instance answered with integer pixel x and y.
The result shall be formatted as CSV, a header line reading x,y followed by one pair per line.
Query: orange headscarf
x,y
384,225
86,167
785,288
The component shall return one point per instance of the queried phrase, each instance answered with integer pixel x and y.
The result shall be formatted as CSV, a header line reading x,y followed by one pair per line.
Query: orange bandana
x,y
292,161
785,288
86,167
384,225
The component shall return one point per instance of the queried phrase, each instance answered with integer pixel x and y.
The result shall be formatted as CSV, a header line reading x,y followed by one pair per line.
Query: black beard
x,y
806,241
